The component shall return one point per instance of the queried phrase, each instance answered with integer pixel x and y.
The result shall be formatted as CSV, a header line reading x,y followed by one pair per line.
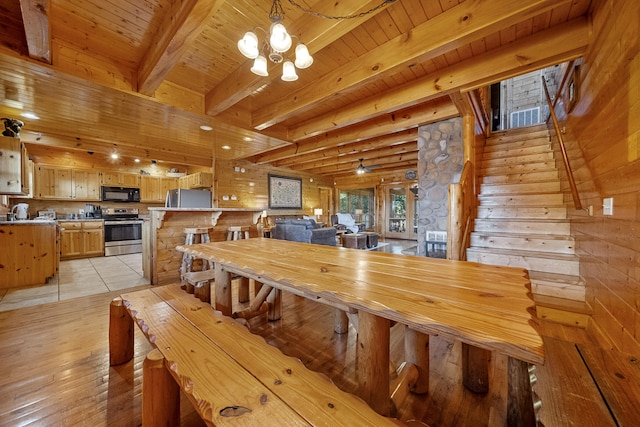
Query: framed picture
x,y
572,89
285,192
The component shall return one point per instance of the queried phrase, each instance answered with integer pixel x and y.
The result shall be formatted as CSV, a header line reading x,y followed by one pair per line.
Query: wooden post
x,y
475,368
520,412
416,352
243,289
160,393
120,333
340,321
275,304
222,282
372,361
202,291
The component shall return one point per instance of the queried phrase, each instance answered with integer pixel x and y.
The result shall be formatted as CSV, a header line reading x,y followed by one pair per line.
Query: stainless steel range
x,y
122,231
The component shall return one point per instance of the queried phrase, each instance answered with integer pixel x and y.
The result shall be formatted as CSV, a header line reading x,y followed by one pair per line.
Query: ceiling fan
x,y
363,169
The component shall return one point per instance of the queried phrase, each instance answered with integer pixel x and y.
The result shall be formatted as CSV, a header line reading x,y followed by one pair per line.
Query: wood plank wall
x,y
603,136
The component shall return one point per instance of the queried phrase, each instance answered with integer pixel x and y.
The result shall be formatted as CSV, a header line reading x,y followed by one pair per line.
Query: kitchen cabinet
x,y
31,253
153,189
14,167
56,183
81,239
53,183
120,179
197,180
86,185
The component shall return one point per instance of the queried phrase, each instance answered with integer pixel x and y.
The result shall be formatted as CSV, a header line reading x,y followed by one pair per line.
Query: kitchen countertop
x,y
29,222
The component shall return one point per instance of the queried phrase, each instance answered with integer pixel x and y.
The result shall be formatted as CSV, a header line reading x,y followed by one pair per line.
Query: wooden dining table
x,y
487,308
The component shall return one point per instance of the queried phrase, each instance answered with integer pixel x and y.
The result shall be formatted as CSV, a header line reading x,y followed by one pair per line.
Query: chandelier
x,y
274,47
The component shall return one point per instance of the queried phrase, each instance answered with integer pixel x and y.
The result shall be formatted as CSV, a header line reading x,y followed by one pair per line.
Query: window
x,y
361,198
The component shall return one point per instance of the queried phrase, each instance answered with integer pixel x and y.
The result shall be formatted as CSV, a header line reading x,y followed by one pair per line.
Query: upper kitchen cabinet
x,y
120,179
53,183
56,183
86,185
197,180
15,167
154,189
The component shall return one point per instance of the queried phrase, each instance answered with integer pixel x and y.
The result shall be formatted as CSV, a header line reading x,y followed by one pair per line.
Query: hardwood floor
x,y
55,368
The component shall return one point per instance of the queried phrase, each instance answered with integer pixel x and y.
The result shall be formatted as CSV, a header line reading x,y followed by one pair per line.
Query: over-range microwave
x,y
120,194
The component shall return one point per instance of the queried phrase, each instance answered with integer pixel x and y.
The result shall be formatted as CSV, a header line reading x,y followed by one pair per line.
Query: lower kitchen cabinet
x,y
81,239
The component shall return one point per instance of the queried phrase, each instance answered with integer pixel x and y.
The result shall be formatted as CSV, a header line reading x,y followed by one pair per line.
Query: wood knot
x,y
324,270
331,405
235,411
277,382
289,371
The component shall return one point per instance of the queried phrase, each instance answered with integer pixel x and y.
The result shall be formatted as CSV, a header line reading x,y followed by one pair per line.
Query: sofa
x,y
303,230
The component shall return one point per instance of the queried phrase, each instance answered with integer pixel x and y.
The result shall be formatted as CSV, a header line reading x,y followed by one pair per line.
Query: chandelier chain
x,y
358,15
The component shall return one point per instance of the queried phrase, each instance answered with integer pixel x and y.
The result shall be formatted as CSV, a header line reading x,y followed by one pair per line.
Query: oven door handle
x,y
132,222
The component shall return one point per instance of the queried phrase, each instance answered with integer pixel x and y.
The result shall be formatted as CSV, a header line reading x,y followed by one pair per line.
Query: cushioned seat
x,y
344,221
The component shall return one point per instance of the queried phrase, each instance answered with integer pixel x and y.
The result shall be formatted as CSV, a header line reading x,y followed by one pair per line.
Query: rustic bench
x,y
587,386
225,370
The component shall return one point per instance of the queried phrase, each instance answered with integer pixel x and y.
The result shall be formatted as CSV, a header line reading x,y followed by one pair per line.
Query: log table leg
x,y
243,289
160,393
223,298
520,412
475,368
120,333
275,304
416,351
340,321
372,360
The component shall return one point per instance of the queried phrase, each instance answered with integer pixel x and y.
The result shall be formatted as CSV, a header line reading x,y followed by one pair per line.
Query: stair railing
x,y
461,210
563,149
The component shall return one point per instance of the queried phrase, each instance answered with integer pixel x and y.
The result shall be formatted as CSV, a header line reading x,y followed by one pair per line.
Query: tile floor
x,y
77,278
89,276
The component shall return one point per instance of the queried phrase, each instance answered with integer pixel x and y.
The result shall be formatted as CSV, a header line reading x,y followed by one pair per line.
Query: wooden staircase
x,y
522,222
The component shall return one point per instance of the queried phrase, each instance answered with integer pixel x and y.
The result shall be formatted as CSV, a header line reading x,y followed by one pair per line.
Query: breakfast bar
x,y
483,306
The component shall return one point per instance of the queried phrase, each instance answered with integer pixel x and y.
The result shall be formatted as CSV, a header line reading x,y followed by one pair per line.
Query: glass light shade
x,y
303,59
289,72
248,45
280,40
260,66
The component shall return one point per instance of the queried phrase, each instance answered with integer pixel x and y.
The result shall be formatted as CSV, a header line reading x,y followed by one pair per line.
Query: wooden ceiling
x,y
140,77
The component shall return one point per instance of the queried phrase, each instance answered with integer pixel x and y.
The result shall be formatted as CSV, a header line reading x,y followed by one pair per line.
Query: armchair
x,y
344,221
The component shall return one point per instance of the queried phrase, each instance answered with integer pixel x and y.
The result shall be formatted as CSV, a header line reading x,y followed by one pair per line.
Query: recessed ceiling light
x,y
114,156
226,147
136,160
247,138
32,116
206,127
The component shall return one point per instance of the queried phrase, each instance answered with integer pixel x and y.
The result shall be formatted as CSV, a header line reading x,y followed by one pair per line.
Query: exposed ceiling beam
x,y
315,33
182,23
473,19
555,45
430,112
35,18
359,146
349,159
402,161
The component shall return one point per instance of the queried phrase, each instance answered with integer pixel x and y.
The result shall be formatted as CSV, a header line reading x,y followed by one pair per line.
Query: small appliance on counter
x,y
48,214
92,211
20,211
